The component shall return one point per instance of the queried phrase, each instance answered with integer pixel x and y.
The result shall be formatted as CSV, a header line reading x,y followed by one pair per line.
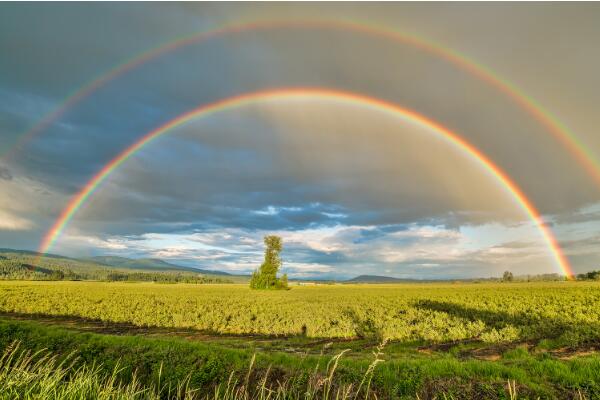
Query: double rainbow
x,y
559,130
322,93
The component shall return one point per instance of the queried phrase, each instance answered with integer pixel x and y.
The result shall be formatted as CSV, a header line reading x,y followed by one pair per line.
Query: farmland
x,y
433,313
464,339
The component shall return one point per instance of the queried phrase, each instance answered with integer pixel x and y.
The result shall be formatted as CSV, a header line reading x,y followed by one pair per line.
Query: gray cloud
x,y
317,164
5,173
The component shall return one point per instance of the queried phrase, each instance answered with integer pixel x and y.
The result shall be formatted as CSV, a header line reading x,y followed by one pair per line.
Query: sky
x,y
351,189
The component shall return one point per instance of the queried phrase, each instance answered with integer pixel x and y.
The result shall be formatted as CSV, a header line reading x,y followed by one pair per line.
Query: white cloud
x,y
295,267
12,222
111,243
408,251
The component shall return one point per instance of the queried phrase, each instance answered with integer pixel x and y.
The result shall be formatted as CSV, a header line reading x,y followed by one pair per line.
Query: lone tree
x,y
266,276
508,276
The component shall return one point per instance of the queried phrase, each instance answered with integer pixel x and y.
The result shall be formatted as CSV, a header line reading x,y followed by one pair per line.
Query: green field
x,y
569,311
461,340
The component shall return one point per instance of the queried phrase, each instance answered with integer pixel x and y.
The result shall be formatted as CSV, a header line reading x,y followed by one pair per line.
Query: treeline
x,y
14,269
55,269
161,277
539,278
508,277
589,276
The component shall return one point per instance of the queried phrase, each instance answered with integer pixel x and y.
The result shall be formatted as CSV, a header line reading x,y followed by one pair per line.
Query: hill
x,y
149,264
31,253
28,265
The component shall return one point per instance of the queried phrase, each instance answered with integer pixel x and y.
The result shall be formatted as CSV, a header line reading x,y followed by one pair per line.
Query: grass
x,y
40,374
152,366
26,374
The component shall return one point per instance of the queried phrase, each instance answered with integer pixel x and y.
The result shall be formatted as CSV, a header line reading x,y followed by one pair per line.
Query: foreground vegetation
x,y
40,374
140,340
71,364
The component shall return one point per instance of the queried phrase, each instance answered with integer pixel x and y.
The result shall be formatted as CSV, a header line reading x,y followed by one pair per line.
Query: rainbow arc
x,y
558,129
280,94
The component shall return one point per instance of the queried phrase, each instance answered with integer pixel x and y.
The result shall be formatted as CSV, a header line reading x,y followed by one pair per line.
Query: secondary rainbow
x,y
559,130
322,93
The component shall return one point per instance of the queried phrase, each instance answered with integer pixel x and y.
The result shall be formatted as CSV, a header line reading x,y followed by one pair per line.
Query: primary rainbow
x,y
559,130
289,93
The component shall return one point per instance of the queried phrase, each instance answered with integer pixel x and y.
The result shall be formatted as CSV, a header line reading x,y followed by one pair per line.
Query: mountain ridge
x,y
139,264
149,264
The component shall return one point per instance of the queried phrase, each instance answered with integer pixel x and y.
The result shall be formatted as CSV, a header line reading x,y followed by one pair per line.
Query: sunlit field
x,y
299,200
431,313
406,340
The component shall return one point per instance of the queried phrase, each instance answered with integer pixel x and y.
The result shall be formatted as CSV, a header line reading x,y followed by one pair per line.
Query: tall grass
x,y
43,375
40,375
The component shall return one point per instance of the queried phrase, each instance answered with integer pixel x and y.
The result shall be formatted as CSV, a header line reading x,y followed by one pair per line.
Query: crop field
x,y
432,313
463,340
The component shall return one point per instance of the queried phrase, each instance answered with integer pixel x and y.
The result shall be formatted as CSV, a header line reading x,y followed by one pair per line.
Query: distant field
x,y
432,313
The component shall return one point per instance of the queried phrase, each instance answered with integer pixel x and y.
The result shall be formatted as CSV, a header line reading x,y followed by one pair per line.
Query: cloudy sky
x,y
351,189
